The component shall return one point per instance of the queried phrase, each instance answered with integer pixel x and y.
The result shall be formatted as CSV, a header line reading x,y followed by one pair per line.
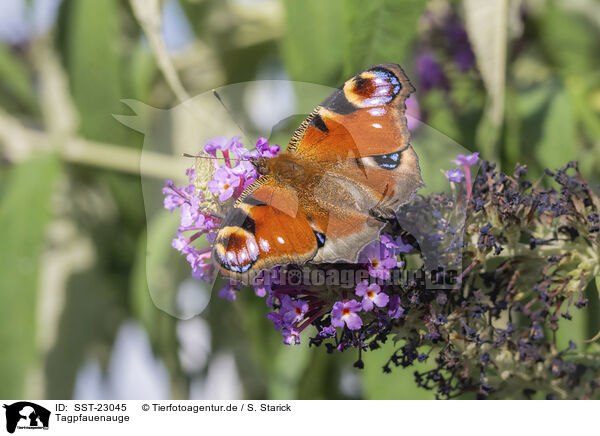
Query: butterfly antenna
x,y
197,156
218,97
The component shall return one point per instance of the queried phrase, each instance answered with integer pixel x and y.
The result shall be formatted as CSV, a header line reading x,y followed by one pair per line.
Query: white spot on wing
x,y
252,249
382,90
264,245
375,101
377,111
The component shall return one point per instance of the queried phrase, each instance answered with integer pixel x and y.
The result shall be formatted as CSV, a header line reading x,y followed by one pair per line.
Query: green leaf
x,y
524,120
166,268
141,70
575,329
159,269
157,262
584,92
378,31
313,42
559,137
289,365
399,385
89,322
14,77
198,15
532,101
93,64
440,116
323,374
25,211
265,347
570,40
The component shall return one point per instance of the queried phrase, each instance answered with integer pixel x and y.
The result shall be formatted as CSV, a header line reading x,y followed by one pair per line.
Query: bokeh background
x,y
517,80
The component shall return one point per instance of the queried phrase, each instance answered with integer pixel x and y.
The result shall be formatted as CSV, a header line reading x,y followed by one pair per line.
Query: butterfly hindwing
x,y
360,190
265,228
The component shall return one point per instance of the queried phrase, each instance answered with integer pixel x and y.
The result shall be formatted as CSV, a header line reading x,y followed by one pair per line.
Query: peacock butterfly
x,y
347,168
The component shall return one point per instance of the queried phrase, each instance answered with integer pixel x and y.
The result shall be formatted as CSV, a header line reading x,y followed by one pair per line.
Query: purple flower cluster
x,y
237,173
193,224
472,339
445,43
370,301
431,74
291,313
229,180
498,313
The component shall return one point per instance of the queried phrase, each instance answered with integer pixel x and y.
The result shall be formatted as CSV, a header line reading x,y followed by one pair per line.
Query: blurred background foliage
x,y
517,80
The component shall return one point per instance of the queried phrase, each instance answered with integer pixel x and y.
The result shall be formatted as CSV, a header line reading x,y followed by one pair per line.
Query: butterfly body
x,y
291,169
347,166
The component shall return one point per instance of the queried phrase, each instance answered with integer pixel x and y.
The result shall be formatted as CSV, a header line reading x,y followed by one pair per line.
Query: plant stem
x,y
19,143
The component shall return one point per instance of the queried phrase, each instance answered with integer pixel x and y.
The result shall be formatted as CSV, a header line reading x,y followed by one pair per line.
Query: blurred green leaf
x,y
585,323
92,40
533,100
289,366
321,378
93,313
231,324
512,140
582,90
570,40
559,142
198,13
153,257
399,385
525,112
160,269
313,44
598,284
263,345
439,115
378,31
156,255
575,329
141,72
593,308
15,78
25,211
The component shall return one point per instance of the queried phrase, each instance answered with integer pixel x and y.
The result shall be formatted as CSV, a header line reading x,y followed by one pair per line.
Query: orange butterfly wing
x,y
266,227
364,117
355,146
360,135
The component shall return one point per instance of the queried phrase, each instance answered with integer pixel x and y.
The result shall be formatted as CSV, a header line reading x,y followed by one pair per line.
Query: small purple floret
x,y
344,312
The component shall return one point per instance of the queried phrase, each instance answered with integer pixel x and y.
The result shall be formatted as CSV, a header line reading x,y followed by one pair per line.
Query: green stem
x,y
19,143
